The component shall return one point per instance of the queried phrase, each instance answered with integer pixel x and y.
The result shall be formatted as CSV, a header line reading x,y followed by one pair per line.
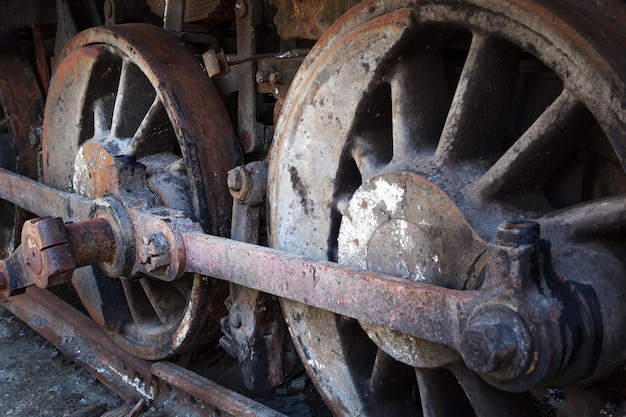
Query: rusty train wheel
x,y
411,131
21,109
133,92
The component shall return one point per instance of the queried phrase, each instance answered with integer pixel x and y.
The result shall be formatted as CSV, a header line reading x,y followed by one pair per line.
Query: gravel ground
x,y
38,380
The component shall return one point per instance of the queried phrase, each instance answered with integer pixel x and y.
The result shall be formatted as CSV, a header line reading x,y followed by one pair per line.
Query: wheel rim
x,y
397,94
114,94
21,109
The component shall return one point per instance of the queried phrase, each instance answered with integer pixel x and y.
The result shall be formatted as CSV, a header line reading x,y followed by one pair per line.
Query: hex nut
x,y
496,342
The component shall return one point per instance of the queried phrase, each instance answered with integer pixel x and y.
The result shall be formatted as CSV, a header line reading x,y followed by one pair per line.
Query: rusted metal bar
x,y
84,342
164,383
210,392
42,200
415,308
367,296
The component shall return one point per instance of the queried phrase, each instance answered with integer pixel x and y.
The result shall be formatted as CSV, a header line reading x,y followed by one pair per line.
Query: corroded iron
x,y
150,130
514,346
410,133
433,90
175,390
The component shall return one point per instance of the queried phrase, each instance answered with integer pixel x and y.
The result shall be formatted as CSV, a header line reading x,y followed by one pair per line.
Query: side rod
x,y
509,330
371,297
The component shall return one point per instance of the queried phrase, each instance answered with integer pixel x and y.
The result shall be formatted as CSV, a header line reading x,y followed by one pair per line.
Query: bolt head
x,y
155,252
488,348
235,180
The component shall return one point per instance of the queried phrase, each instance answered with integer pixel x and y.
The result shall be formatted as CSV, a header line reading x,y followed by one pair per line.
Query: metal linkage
x,y
254,330
514,331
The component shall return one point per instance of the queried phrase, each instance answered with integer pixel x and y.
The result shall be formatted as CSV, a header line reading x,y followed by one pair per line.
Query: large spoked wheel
x,y
134,92
411,131
21,109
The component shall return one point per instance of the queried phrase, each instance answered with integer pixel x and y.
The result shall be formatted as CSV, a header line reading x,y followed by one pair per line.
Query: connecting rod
x,y
511,331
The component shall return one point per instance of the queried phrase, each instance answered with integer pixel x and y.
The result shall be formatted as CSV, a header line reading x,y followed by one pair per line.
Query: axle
x,y
514,331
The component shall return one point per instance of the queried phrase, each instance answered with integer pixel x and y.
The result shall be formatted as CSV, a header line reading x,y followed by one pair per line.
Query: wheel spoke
x,y
102,116
541,149
183,287
488,401
167,304
369,157
134,97
140,307
477,121
441,395
155,132
419,101
606,215
391,378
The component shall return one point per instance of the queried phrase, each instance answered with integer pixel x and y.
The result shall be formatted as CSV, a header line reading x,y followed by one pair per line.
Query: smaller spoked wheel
x,y
21,109
133,93
410,132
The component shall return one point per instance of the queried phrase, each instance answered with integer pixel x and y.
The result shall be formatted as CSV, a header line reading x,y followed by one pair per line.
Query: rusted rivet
x,y
262,77
274,78
34,137
236,321
108,9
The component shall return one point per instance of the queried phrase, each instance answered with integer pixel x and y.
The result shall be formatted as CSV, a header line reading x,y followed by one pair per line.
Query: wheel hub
x,y
90,167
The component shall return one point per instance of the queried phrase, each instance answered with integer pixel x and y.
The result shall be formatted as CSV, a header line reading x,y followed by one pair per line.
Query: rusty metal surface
x,y
250,131
80,340
21,109
254,331
516,271
115,94
181,96
397,154
209,392
307,19
390,89
164,384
